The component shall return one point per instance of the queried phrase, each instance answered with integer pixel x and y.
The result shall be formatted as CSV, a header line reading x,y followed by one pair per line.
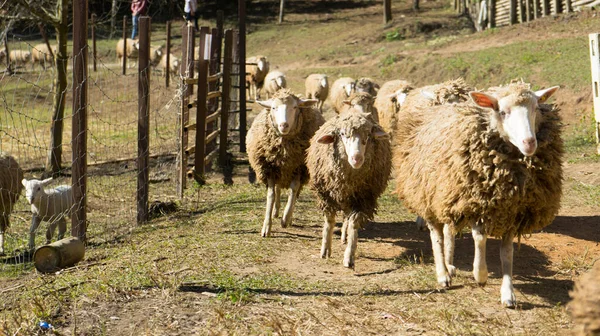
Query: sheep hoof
x,y
451,270
285,223
444,281
349,263
325,254
510,301
265,232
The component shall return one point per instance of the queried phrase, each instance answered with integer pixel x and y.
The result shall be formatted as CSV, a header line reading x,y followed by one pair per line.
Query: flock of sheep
x,y
490,160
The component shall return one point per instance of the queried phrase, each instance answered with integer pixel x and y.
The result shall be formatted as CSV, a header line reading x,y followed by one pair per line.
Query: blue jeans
x,y
134,20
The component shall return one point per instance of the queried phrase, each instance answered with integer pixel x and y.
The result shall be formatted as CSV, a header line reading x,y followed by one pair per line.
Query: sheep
x,y
341,89
349,162
17,57
367,85
389,100
51,205
361,102
10,189
276,145
133,48
156,54
41,55
255,75
174,64
317,87
274,81
494,165
585,307
449,92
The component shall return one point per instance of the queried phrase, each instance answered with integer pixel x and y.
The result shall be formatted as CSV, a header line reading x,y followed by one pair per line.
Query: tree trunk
x,y
113,17
416,5
54,162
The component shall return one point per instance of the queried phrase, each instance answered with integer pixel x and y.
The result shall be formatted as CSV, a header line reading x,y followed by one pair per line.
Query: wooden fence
x,y
212,101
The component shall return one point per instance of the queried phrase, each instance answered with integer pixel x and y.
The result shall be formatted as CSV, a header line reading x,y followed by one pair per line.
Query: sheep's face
x,y
262,64
349,88
361,102
514,116
280,81
323,82
355,136
34,188
398,98
284,111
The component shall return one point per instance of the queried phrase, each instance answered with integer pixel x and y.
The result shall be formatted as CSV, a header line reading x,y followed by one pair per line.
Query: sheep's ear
x,y
46,181
543,95
401,98
484,100
428,94
326,139
265,103
305,103
380,134
24,182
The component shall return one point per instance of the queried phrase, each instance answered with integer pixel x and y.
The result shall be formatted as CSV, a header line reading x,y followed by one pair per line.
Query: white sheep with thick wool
x,y
48,205
10,189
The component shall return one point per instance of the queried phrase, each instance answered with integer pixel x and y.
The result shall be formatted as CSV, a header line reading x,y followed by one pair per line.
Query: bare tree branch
x,y
39,12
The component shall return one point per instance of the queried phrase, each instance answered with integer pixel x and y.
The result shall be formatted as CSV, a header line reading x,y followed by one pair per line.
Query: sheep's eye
x,y
503,114
39,188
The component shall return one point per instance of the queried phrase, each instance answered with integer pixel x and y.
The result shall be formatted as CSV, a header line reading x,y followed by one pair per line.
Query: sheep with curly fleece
x,y
317,87
389,100
256,72
40,54
10,189
276,144
495,165
349,163
585,307
274,81
367,85
361,102
132,51
341,90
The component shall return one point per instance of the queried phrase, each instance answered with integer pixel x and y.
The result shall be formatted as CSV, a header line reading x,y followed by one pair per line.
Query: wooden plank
x,y
213,117
595,66
168,54
213,94
79,121
210,157
226,89
124,44
212,136
201,111
143,161
191,127
215,77
242,79
190,150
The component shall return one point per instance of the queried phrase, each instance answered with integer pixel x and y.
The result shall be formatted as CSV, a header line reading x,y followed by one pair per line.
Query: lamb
x,y
389,100
41,55
133,48
276,144
361,102
255,75
174,64
367,85
495,165
10,189
349,162
585,307
341,90
51,205
156,54
274,81
317,87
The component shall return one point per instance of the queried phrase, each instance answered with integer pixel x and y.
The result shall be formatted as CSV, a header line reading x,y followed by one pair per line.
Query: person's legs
x,y
134,30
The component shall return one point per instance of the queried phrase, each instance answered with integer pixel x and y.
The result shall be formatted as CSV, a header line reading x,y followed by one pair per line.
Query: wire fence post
x,y
79,123
201,109
242,57
124,44
168,55
94,51
143,120
226,90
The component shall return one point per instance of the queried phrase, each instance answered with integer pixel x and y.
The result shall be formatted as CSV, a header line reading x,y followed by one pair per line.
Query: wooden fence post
x,y
124,44
595,65
186,71
387,11
491,13
568,6
79,122
201,109
242,73
536,9
8,68
94,51
521,10
168,55
513,12
143,159
281,6
226,91
546,7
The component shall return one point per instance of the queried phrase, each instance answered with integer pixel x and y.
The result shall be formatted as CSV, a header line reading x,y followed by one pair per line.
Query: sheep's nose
x,y
357,159
284,127
529,142
529,146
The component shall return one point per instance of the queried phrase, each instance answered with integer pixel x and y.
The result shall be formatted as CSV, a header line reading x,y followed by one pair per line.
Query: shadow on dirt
x,y
580,227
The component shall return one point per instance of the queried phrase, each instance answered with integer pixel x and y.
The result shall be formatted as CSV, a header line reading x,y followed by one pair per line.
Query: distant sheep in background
x,y
174,65
40,54
51,205
349,161
495,165
367,85
317,87
133,48
277,143
255,75
10,189
274,81
341,90
389,100
16,57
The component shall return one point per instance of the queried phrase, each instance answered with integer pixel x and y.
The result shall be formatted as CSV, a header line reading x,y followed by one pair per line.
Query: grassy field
x,y
204,269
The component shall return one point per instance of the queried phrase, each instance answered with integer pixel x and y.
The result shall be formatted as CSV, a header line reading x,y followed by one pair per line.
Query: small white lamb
x,y
51,205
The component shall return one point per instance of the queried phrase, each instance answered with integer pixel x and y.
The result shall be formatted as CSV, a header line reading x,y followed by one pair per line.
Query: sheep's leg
x,y
286,220
449,250
507,294
51,229
327,234
266,229
62,228
350,253
277,201
3,226
437,244
344,233
35,222
480,270
421,225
